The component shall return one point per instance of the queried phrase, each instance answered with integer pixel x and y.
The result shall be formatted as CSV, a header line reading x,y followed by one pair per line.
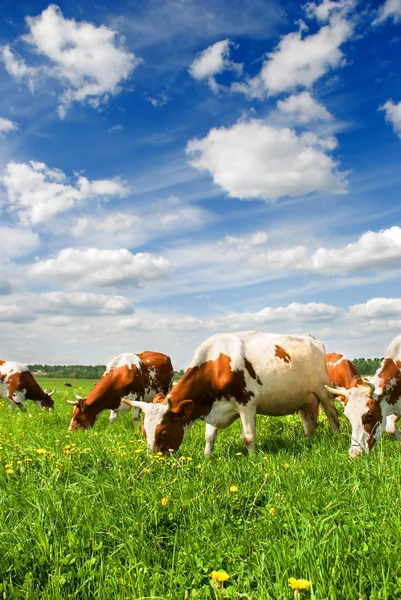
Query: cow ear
x,y
184,410
342,399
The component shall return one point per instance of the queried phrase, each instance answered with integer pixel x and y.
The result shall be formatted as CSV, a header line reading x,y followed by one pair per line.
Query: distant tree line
x,y
77,371
367,366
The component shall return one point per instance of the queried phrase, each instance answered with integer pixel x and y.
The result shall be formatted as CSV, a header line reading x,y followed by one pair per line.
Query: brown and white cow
x,y
18,384
375,405
342,372
137,376
239,375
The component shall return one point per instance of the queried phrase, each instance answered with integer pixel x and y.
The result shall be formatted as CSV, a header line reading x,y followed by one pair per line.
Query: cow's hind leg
x,y
330,410
136,414
210,436
113,416
309,421
391,426
248,421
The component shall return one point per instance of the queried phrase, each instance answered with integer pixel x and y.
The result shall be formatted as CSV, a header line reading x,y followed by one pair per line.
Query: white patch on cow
x,y
355,408
19,397
3,389
340,360
153,417
10,368
38,403
124,360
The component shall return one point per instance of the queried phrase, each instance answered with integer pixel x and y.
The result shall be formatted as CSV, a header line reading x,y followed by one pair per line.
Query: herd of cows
x,y
233,375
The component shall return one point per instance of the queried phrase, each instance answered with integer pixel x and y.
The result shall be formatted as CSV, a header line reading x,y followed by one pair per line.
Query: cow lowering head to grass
x,y
342,372
137,376
239,375
374,405
18,384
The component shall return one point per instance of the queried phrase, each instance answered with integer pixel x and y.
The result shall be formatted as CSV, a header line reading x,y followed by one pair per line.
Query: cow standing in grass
x,y
137,376
374,405
240,375
342,372
18,384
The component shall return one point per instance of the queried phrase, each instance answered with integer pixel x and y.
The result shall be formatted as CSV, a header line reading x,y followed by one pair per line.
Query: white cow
x,y
240,375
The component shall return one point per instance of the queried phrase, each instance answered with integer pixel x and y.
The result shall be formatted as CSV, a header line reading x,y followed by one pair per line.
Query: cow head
x,y
83,415
363,410
46,400
164,426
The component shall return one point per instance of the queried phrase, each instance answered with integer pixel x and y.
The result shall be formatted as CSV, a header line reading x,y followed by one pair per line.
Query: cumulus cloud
x,y
130,323
392,113
377,308
281,259
324,10
80,303
105,268
6,126
89,62
12,313
391,9
254,160
38,193
17,241
243,242
371,250
302,109
299,61
212,61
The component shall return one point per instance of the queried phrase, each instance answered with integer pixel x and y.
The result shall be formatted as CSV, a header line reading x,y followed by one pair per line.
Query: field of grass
x,y
90,515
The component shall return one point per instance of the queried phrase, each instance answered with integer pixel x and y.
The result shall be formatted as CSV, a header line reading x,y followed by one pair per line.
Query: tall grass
x,y
82,514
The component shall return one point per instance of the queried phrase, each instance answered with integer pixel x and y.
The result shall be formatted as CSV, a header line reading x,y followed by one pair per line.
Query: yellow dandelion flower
x,y
17,446
219,576
57,441
41,451
145,470
170,450
278,495
95,433
19,462
272,511
238,454
26,459
9,471
164,501
8,465
189,458
159,453
286,466
233,488
299,584
198,466
139,450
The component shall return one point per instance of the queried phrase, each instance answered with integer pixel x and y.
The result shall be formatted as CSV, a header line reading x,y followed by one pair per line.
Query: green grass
x,y
86,521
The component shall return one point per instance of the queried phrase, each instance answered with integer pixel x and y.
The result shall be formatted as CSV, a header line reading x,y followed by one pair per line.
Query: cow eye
x,y
369,416
163,434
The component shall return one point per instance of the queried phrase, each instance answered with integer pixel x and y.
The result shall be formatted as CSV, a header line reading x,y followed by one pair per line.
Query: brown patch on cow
x,y
18,382
390,382
203,384
251,371
372,417
155,374
281,353
342,374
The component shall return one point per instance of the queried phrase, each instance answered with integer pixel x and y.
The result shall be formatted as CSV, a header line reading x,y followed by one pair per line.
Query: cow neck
x,y
111,387
25,381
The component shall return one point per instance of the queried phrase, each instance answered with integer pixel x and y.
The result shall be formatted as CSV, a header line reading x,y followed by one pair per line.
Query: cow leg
x,y
210,436
136,414
309,421
248,421
391,426
330,410
113,416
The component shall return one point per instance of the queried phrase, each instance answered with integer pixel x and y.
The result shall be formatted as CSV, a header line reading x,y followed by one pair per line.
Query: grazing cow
x,y
138,376
342,373
239,375
17,384
375,405
67,384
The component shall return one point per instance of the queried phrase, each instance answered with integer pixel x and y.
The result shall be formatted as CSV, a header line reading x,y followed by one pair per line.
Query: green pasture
x,y
91,515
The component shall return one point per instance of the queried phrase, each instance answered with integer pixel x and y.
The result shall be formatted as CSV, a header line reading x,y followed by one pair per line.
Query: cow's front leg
x,y
391,426
113,416
210,436
248,421
309,422
136,414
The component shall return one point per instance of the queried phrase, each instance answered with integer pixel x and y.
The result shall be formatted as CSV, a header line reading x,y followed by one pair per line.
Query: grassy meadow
x,y
90,515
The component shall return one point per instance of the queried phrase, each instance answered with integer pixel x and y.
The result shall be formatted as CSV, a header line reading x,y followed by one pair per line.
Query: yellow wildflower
x,y
19,462
233,488
41,451
189,458
299,584
17,446
198,466
26,459
164,501
286,466
8,465
57,471
219,576
170,450
95,433
9,471
238,454
67,447
272,511
139,450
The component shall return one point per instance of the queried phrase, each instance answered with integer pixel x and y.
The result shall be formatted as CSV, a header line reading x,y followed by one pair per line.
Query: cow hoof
x,y
355,452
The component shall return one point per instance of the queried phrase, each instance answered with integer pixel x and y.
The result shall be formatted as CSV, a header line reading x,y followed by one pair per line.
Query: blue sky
x,y
172,169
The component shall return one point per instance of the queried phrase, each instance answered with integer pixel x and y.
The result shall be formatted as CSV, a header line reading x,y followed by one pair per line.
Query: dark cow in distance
x,y
240,375
375,405
137,376
18,384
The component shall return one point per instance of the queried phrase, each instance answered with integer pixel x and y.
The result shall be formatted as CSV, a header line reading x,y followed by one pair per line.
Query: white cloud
x,y
89,62
299,62
281,259
93,267
254,160
393,115
377,308
179,323
17,241
324,10
130,323
12,313
390,9
371,250
244,242
302,109
5,287
80,303
212,61
38,193
6,126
